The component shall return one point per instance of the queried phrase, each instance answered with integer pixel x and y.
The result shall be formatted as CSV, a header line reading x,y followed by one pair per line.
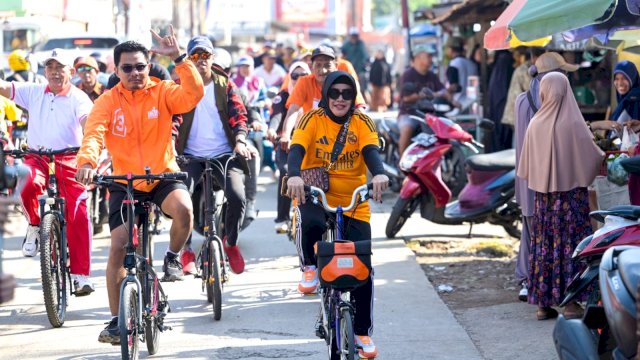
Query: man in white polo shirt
x,y
57,113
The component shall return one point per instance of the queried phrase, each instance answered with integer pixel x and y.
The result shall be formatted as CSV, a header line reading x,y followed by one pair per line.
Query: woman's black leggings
x,y
284,202
311,226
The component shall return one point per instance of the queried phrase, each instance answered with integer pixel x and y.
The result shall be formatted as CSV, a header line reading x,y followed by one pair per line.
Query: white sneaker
x,y
282,228
31,241
524,293
366,348
309,282
82,284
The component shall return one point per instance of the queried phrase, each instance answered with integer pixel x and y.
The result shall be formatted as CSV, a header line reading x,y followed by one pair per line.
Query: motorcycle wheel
x,y
402,210
513,230
453,171
396,185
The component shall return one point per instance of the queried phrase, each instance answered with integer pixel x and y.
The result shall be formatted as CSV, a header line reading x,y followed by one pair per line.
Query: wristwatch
x,y
180,58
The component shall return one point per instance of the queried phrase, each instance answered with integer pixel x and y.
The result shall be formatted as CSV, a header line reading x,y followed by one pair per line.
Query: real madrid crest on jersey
x,y
277,99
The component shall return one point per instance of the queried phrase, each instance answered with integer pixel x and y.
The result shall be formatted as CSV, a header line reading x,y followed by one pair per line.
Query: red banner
x,y
307,13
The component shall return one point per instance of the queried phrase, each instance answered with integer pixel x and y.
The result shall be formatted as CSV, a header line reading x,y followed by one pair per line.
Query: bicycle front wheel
x,y
215,278
346,344
54,272
128,322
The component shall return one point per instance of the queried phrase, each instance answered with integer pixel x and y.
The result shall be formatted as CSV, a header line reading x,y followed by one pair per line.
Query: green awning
x,y
540,18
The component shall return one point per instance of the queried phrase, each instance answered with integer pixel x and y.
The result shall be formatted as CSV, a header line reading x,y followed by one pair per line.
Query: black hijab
x,y
337,77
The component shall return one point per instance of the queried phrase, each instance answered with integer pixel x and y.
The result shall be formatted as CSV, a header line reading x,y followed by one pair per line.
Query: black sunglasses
x,y
347,94
296,76
127,68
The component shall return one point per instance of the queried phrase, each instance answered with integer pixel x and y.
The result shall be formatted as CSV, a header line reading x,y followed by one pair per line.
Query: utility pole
x,y
175,18
405,29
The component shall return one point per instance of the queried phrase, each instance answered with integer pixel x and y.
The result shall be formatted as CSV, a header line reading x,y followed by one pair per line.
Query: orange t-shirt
x,y
317,133
346,66
308,92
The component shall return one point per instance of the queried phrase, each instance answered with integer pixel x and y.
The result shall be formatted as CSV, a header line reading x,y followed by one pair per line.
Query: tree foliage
x,y
390,7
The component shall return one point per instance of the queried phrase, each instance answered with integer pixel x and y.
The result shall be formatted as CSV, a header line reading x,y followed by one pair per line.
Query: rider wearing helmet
x,y
21,67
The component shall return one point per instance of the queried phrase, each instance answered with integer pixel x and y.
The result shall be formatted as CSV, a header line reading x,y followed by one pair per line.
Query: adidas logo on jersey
x,y
323,140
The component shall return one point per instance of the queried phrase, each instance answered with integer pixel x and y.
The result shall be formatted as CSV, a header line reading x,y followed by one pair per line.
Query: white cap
x,y
245,60
353,30
58,55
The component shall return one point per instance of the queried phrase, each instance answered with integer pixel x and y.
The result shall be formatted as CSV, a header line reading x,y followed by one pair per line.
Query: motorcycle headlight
x,y
583,244
411,155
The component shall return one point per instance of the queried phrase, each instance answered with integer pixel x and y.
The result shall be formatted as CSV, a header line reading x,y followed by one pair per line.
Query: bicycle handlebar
x,y
108,179
188,158
362,190
44,152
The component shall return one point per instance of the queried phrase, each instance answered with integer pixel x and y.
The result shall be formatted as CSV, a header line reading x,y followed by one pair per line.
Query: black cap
x,y
323,50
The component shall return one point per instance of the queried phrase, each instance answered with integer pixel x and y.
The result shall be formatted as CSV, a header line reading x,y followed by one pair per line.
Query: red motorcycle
x,y
488,195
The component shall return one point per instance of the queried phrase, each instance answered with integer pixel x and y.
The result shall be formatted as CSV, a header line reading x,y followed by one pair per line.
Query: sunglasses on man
x,y
200,56
128,68
347,94
85,69
296,76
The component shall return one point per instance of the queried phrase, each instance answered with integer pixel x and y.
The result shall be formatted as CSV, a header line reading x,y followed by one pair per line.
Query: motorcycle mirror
x,y
428,93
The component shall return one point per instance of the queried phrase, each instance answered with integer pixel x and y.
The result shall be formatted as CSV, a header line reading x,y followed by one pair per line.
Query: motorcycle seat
x,y
393,127
630,212
629,268
497,161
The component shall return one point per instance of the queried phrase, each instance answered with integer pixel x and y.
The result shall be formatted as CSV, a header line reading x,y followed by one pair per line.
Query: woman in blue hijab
x,y
627,84
627,87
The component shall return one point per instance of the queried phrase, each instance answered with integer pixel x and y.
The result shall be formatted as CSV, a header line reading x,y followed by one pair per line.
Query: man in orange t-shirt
x,y
308,91
134,121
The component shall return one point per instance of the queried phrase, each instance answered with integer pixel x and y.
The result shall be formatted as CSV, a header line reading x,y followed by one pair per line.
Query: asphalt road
x,y
263,317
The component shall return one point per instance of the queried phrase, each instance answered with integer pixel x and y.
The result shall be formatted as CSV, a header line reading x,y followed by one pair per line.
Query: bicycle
x,y
143,303
211,257
54,249
336,315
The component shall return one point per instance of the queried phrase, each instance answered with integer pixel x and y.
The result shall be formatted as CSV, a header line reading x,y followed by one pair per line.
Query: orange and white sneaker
x,y
309,282
366,348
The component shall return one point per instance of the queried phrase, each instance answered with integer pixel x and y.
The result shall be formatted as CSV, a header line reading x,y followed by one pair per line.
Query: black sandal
x,y
546,313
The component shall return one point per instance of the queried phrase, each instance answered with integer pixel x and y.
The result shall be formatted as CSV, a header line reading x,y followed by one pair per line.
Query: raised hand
x,y
168,45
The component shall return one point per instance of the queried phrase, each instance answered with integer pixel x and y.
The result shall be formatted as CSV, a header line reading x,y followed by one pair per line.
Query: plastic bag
x,y
615,172
629,139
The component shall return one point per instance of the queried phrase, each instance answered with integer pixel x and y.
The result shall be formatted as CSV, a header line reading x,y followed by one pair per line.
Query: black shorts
x,y
157,196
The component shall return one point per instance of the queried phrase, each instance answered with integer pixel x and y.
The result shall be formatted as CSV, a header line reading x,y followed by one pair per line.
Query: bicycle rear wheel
x,y
128,322
54,272
215,279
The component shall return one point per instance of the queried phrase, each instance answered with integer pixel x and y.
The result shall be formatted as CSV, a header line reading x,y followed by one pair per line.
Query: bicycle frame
x,y
53,264
333,301
210,231
137,266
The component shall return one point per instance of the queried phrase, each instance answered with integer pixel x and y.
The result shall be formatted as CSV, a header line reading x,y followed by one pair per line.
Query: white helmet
x,y
222,58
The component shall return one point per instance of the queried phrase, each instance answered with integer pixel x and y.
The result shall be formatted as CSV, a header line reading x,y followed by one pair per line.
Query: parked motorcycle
x,y
608,328
453,172
487,197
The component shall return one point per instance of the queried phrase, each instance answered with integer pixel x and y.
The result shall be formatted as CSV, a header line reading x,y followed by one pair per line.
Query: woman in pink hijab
x,y
559,160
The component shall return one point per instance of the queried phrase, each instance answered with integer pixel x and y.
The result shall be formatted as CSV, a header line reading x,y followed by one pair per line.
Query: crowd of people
x,y
302,103
205,105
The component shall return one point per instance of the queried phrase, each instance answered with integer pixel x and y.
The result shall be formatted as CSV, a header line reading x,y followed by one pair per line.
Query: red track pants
x,y
78,229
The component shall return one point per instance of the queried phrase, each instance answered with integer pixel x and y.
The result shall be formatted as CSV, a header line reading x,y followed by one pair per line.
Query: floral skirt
x,y
560,222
